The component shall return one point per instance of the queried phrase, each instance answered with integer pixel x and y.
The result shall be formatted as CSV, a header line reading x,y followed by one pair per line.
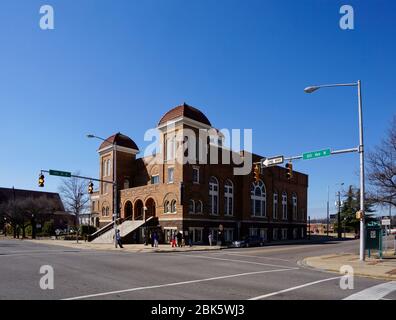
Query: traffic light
x,y
289,172
41,181
257,173
90,188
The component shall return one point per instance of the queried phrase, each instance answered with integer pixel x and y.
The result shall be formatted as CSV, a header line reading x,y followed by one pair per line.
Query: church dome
x,y
187,111
120,140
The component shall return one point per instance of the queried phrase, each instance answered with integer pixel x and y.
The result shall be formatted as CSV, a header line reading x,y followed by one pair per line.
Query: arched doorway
x,y
138,212
150,205
128,210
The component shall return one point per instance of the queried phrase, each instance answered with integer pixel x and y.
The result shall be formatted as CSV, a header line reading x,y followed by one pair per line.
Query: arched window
x,y
173,206
294,200
108,168
104,170
213,196
107,211
103,211
198,206
191,206
275,206
258,199
166,207
284,205
228,198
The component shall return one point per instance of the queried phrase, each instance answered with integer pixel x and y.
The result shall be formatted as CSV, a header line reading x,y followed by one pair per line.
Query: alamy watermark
x,y
47,20
200,146
47,280
347,280
347,21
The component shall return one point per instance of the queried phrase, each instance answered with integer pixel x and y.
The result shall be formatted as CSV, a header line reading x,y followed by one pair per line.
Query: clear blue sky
x,y
114,66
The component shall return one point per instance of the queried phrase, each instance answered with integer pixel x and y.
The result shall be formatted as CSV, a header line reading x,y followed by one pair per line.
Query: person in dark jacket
x,y
118,238
179,239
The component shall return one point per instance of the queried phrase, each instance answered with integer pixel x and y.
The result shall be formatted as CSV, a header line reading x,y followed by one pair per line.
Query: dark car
x,y
250,241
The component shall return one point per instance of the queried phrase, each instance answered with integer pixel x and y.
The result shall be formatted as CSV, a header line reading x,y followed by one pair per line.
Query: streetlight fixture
x,y
115,188
357,84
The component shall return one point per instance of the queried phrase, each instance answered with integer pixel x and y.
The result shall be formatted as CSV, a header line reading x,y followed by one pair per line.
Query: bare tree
x,y
32,210
74,195
24,212
382,169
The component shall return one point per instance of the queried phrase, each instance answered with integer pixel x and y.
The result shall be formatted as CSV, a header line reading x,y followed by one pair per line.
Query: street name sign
x,y
385,222
316,154
273,161
60,173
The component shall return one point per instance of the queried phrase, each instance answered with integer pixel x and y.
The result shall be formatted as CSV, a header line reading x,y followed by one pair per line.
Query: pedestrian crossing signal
x,y
289,172
90,188
41,181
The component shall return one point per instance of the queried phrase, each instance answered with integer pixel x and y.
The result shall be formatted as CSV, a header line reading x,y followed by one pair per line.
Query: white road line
x,y
374,293
54,252
294,288
254,256
175,284
240,261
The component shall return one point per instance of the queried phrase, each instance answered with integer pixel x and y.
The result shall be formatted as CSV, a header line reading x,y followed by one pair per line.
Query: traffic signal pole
x,y
85,178
334,152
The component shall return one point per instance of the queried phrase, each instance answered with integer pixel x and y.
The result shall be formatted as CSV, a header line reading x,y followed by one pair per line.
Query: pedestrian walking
x,y
155,238
183,241
190,240
179,239
173,239
118,239
210,239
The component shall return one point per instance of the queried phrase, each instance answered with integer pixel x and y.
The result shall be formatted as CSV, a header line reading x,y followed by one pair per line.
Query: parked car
x,y
249,241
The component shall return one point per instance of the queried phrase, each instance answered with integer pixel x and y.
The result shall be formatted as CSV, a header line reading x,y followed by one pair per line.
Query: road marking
x,y
254,256
53,252
278,248
294,288
374,293
241,261
176,284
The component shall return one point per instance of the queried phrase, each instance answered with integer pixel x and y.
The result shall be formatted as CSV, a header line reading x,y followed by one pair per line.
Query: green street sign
x,y
60,173
316,154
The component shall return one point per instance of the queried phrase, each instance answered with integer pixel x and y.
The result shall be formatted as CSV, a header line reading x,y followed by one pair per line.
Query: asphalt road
x,y
271,272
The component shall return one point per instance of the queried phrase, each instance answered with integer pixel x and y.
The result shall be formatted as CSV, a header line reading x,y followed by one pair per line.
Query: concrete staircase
x,y
125,228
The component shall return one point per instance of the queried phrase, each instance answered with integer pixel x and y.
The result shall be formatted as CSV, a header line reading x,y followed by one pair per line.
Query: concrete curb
x,y
316,263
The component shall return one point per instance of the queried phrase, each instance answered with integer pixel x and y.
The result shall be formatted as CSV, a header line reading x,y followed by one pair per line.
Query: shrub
x,y
86,230
48,228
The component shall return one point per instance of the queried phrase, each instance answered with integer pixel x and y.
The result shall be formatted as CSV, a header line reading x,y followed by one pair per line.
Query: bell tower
x,y
116,155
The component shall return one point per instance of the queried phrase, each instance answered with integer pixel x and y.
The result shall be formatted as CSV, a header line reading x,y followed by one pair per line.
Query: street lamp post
x,y
5,226
115,187
146,240
361,153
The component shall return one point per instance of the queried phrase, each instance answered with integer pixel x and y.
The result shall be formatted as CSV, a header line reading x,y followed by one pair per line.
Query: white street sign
x,y
385,222
268,162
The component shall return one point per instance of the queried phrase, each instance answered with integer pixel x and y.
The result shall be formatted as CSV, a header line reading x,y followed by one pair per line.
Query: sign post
x,y
273,161
60,173
316,154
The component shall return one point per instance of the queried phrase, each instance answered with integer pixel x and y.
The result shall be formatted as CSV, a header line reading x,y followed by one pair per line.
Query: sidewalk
x,y
127,247
374,268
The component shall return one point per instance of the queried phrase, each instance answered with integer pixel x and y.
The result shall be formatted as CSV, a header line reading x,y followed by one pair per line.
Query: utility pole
x,y
328,213
339,230
115,195
360,149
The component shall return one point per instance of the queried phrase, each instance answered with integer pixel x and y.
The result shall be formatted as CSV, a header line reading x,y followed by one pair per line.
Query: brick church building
x,y
197,195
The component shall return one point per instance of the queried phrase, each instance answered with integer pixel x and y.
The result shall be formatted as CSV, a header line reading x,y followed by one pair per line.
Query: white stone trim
x,y
184,120
118,148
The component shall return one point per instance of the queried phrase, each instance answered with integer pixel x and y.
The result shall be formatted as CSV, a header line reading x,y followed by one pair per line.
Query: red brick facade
x,y
145,190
